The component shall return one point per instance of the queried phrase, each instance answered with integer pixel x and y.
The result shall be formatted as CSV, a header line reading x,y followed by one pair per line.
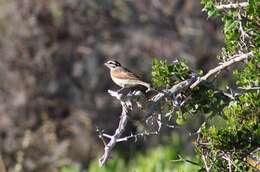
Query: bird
x,y
123,77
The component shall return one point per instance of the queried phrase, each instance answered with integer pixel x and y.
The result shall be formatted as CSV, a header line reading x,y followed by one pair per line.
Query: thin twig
x,y
135,136
205,163
119,131
230,162
235,58
185,160
235,5
100,135
249,88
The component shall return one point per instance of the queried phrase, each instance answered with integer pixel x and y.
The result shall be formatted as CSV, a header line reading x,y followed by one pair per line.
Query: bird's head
x,y
112,64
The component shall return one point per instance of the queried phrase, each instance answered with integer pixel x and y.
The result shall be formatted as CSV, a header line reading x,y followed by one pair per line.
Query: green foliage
x,y
252,24
169,74
210,8
239,132
157,159
70,168
242,132
240,129
199,103
253,7
116,164
231,27
250,76
202,101
166,74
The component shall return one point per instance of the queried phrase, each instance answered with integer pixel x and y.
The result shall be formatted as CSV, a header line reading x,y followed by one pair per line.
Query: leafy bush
x,y
166,75
235,144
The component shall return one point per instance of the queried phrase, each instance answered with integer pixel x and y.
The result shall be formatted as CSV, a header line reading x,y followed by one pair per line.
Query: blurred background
x,y
53,84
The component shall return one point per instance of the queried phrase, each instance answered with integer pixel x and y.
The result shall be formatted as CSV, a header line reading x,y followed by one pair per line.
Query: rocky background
x,y
52,79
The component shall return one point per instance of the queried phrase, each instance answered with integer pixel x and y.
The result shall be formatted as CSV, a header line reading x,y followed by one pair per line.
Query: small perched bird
x,y
123,77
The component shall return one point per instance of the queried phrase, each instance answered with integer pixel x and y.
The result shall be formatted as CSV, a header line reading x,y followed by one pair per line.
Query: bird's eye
x,y
113,64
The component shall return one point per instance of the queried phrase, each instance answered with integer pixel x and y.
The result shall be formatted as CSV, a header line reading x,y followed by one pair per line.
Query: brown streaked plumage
x,y
123,75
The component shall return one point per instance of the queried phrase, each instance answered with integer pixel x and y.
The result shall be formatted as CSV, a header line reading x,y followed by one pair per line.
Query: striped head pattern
x,y
112,64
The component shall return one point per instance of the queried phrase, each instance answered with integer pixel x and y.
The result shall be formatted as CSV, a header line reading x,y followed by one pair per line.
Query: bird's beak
x,y
106,65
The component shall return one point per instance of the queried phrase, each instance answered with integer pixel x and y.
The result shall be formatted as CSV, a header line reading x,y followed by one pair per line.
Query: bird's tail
x,y
145,84
149,86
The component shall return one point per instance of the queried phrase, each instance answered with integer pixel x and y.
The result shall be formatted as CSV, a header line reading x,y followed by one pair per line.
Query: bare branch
x,y
235,5
152,106
234,59
243,34
207,168
119,131
249,88
226,157
100,135
135,136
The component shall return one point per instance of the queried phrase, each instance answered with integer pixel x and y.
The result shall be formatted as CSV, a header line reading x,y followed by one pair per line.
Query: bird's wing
x,y
125,74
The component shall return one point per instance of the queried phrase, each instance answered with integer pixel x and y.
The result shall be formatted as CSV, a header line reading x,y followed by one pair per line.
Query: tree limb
x,y
234,59
119,131
235,5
